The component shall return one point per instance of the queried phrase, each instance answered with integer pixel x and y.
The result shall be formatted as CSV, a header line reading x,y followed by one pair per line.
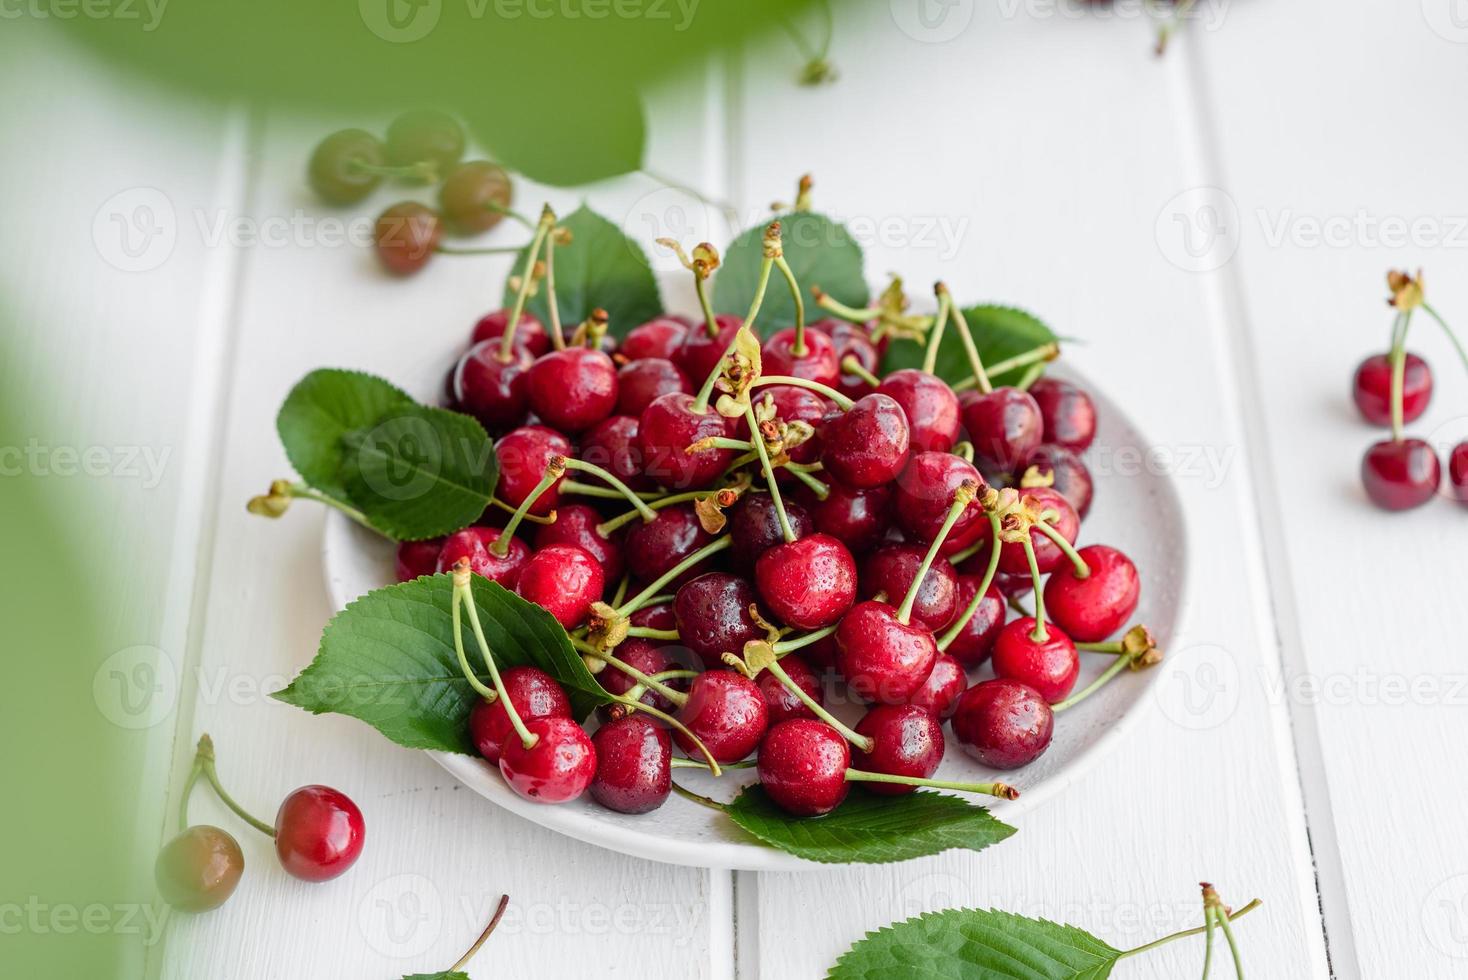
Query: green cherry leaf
x,y
590,139
418,472
451,975
324,406
870,829
1000,332
600,268
977,944
820,252
388,659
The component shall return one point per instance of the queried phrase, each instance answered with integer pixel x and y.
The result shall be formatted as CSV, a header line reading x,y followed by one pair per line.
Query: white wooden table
x,y
1306,743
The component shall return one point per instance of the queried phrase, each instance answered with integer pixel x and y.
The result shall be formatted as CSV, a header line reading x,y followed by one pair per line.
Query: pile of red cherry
x,y
778,513
1393,389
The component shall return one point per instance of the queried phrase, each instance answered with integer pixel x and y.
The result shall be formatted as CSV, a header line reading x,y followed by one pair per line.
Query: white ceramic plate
x,y
1139,513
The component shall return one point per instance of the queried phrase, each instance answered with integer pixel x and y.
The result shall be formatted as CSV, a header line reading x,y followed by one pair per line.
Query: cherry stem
x,y
1121,663
554,470
860,741
508,212
643,598
972,608
423,171
681,763
483,936
605,528
464,593
724,442
1186,933
850,365
489,694
935,335
646,680
1233,947
1399,370
796,642
842,402
272,504
701,403
962,497
981,377
848,313
204,763
672,722
689,794
700,287
1001,790
195,771
1031,375
798,348
1210,919
1083,570
764,460
493,250
622,488
1452,337
821,490
532,518
649,633
1040,633
558,338
1043,354
507,340
606,493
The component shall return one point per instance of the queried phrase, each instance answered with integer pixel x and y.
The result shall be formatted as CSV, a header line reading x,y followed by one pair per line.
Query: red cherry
x,y
1072,479
754,527
891,569
867,445
667,428
650,657
1005,426
639,382
1003,724
1050,666
533,692
859,518
633,765
925,495
818,363
907,740
780,701
802,767
657,617
713,616
659,337
557,768
415,558
1091,609
405,237
930,405
654,547
523,456
576,524
616,446
1372,389
1048,556
1400,475
530,334
1067,413
573,389
318,833
809,583
1458,472
564,580
882,659
473,543
199,869
700,353
850,341
495,392
940,692
975,641
727,712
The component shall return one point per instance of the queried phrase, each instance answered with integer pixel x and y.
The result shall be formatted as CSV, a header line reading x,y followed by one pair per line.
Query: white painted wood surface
x,y
1035,156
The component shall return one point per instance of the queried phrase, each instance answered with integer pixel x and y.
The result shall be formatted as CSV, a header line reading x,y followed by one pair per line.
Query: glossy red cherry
x,y
616,445
852,342
809,583
415,558
975,641
930,405
1458,472
859,518
700,353
573,389
882,659
1069,473
533,692
564,580
658,337
794,404
495,392
727,712
474,196
891,568
523,456
1372,389
802,767
667,428
473,543
1048,556
199,869
657,617
319,833
754,527
633,765
925,495
1400,475
780,701
651,657
1091,609
640,381
1004,425
1067,413
713,616
867,445
817,363
907,740
576,524
940,692
1050,665
557,768
531,333
1003,724
653,547
405,237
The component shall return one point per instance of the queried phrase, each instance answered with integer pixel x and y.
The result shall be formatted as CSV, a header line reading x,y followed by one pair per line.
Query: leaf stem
x,y
1187,932
1001,790
310,493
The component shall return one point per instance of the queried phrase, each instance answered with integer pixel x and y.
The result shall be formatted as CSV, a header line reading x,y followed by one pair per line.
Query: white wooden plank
x,y
1371,611
1049,145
